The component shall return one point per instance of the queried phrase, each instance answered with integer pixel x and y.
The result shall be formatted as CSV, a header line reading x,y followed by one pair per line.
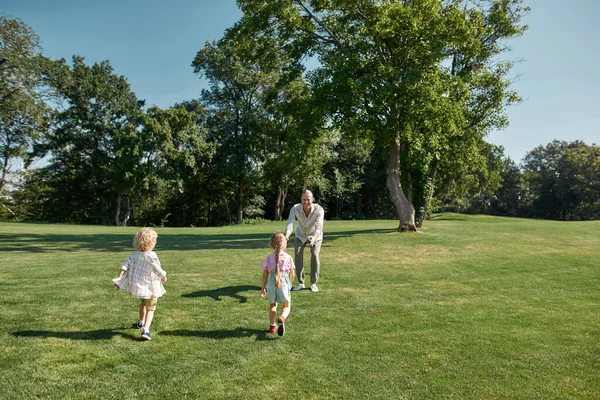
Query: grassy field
x,y
470,307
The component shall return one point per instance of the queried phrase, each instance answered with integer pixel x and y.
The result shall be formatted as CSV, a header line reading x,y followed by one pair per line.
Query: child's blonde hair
x,y
278,243
145,239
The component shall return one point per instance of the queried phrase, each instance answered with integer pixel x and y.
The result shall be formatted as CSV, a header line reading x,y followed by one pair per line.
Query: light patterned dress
x,y
142,275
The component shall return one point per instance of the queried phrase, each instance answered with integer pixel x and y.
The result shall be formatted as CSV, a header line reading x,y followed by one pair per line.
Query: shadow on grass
x,y
40,243
330,236
219,334
448,217
229,291
100,334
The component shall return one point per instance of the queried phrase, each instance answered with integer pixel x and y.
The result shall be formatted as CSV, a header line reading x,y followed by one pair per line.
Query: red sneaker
x,y
272,329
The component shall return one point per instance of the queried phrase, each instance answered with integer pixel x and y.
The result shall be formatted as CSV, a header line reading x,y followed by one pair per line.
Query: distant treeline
x,y
559,181
387,126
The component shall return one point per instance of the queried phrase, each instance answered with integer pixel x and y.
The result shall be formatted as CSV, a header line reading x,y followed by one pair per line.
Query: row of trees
x,y
391,123
558,181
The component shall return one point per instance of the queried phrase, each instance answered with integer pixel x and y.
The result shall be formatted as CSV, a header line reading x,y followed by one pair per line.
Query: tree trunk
x,y
125,220
9,210
240,206
128,213
277,214
339,204
209,217
404,209
280,203
4,173
429,196
227,211
118,213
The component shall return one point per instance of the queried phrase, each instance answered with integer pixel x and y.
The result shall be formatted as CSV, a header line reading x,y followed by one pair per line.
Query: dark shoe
x,y
146,335
281,329
272,329
140,324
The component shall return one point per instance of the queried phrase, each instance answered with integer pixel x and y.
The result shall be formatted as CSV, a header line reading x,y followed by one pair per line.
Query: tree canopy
x,y
23,111
410,75
380,108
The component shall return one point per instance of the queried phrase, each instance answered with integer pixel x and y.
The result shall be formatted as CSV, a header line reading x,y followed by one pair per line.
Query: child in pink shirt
x,y
278,275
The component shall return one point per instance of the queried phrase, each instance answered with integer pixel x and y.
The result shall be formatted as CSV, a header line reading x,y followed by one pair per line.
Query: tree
x,y
471,177
374,195
563,179
261,120
178,167
408,74
23,112
232,102
97,153
510,199
346,172
298,143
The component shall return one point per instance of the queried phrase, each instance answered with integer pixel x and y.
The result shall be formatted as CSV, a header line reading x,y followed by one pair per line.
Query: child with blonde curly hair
x,y
278,275
142,276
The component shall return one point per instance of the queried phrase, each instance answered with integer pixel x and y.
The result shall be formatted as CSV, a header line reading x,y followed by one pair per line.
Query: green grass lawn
x,y
470,307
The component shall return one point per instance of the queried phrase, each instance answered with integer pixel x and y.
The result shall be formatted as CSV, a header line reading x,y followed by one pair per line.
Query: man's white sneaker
x,y
314,288
299,287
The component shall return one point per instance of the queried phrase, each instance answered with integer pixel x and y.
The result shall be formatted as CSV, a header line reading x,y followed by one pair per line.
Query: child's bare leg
x,y
273,313
142,311
148,321
286,310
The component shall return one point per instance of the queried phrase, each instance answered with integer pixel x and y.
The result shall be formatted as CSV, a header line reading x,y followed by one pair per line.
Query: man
x,y
310,230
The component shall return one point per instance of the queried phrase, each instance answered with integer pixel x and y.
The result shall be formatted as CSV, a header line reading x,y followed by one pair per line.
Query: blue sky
x,y
153,43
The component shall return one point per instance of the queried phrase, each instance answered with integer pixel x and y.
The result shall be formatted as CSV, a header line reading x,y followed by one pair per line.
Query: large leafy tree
x,y
298,143
233,100
177,173
346,175
563,181
510,199
23,112
261,119
471,177
97,153
408,74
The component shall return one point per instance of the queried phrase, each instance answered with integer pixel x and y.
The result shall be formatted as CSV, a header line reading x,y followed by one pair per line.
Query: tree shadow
x,y
330,236
100,334
220,334
40,243
229,291
47,243
448,217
